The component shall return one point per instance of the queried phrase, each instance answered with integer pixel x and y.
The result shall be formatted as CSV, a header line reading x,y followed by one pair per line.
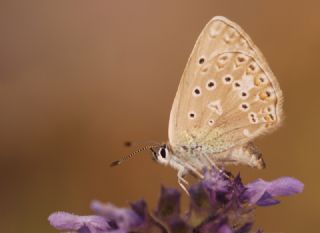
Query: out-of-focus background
x,y
78,78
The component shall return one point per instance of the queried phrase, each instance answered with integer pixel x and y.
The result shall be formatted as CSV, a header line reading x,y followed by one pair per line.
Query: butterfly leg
x,y
194,170
181,181
183,186
211,162
181,174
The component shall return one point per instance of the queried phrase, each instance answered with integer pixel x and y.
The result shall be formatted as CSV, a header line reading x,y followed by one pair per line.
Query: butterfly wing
x,y
247,154
228,95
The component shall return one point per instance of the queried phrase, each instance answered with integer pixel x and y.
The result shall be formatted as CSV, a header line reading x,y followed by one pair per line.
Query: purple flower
x,y
218,204
169,203
217,185
262,192
216,181
69,222
122,218
168,210
224,229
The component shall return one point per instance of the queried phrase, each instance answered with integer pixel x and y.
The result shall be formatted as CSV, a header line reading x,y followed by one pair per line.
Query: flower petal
x,y
122,218
69,222
140,208
267,200
224,229
284,186
169,203
215,181
199,198
245,228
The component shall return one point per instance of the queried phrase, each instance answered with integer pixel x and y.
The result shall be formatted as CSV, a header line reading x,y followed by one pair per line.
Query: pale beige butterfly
x,y
227,96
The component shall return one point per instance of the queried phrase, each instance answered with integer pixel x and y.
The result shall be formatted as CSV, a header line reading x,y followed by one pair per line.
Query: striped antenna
x,y
129,156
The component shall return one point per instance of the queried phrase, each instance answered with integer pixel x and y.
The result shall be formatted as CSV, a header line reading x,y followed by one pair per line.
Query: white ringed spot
x,y
253,67
244,95
253,118
211,122
244,107
192,115
196,91
211,84
227,79
236,85
201,60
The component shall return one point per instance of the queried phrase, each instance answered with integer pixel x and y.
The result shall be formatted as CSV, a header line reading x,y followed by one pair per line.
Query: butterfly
x,y
227,97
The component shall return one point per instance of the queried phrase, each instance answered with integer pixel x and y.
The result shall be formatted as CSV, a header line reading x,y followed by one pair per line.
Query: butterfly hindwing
x,y
227,95
247,154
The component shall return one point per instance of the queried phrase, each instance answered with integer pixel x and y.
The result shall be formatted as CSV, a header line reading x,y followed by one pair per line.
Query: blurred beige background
x,y
78,78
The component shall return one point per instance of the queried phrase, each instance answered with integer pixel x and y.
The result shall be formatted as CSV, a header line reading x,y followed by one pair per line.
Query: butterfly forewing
x,y
227,95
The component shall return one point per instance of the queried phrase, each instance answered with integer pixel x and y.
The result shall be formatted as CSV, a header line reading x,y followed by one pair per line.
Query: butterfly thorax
x,y
181,155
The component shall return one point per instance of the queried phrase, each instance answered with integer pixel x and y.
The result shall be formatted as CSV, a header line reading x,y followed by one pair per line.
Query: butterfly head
x,y
161,154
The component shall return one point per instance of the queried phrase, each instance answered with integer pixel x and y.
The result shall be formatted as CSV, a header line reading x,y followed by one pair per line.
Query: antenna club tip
x,y
115,163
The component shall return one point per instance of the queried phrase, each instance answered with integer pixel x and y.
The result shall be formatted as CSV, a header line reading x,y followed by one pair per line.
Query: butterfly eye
x,y
163,152
163,155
